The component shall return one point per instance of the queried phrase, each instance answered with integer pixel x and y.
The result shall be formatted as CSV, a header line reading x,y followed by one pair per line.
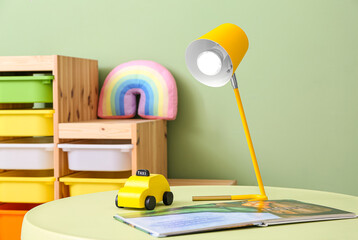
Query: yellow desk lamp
x,y
212,60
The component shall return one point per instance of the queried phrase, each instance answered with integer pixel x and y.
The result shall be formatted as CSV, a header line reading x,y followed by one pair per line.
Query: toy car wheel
x,y
150,203
168,198
116,201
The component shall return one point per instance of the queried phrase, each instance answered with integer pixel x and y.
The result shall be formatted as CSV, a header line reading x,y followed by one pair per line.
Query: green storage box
x,y
26,89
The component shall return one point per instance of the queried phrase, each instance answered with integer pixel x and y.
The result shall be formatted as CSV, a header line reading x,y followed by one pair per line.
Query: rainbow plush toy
x,y
153,82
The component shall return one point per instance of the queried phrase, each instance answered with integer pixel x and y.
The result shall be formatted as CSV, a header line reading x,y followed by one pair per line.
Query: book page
x,y
196,221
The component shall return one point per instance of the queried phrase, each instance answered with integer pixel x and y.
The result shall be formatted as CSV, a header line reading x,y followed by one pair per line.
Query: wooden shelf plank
x,y
149,141
99,129
27,63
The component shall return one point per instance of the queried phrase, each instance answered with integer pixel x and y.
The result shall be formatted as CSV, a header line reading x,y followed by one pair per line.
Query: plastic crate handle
x,y
48,115
46,81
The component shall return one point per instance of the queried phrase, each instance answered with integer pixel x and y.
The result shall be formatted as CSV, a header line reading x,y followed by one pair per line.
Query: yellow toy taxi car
x,y
144,190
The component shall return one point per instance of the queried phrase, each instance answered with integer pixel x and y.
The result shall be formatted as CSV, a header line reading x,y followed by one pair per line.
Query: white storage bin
x,y
98,157
31,154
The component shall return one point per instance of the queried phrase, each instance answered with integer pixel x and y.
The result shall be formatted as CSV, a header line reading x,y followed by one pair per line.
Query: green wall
x,y
298,81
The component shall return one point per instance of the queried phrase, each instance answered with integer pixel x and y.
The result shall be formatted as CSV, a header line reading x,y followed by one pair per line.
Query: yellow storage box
x,y
27,186
26,122
90,182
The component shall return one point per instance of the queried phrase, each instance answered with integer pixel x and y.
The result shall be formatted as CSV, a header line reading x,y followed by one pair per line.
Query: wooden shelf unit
x,y
149,139
75,91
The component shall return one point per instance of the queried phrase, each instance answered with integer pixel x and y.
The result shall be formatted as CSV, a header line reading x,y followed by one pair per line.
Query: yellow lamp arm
x,y
248,137
250,197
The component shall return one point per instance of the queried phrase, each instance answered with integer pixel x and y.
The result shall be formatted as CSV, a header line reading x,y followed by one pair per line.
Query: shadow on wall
x,y
102,74
198,147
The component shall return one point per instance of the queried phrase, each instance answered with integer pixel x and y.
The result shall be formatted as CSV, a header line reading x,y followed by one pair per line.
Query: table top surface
x,y
90,216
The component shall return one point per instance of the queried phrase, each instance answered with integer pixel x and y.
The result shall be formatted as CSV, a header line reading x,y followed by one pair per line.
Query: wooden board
x,y
75,95
99,129
95,130
149,141
194,182
75,89
27,63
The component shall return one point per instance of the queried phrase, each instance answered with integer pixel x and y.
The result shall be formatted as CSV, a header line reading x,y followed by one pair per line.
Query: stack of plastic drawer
x,y
99,165
26,160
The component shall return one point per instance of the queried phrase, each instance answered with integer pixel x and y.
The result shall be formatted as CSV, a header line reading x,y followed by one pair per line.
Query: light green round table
x,y
91,217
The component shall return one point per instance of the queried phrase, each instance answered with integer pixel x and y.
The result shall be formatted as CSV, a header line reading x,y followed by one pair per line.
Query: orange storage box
x,y
11,216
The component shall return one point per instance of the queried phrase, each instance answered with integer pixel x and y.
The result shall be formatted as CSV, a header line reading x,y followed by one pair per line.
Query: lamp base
x,y
249,197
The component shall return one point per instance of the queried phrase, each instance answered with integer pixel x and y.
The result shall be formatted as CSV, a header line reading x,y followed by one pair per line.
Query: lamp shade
x,y
213,58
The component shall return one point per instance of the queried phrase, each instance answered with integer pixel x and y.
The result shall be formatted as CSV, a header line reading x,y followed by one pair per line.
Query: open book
x,y
215,216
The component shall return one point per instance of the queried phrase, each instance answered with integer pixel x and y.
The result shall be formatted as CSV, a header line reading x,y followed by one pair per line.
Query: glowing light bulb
x,y
209,63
